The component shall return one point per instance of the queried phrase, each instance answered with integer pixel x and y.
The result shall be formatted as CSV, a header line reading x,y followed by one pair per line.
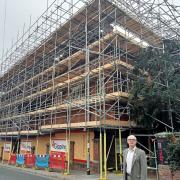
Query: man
x,y
134,162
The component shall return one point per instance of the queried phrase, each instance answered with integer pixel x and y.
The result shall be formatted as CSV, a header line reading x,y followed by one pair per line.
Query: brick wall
x,y
165,173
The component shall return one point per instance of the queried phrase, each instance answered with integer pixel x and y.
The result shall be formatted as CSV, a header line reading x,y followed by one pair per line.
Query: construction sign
x,y
7,147
25,146
58,146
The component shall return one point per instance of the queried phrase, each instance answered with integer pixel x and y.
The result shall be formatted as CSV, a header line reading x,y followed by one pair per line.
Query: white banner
x,y
25,146
58,145
7,147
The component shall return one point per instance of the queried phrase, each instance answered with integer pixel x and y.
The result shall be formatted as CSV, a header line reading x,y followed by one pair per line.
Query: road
x,y
16,174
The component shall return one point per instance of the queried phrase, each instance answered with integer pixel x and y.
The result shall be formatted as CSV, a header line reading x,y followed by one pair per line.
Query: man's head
x,y
131,140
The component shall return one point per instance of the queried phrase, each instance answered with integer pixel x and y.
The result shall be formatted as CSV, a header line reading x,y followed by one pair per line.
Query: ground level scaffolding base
x,y
103,178
118,172
66,173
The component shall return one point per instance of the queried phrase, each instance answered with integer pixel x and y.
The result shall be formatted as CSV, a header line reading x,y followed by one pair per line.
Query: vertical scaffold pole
x,y
101,163
18,143
120,149
88,152
37,143
68,165
105,156
4,144
67,171
87,114
116,163
11,150
155,157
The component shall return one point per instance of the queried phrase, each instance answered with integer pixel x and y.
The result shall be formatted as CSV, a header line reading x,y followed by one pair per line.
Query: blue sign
x,y
42,161
20,159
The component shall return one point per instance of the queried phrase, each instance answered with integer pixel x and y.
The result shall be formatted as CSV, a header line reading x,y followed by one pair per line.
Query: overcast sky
x,y
18,13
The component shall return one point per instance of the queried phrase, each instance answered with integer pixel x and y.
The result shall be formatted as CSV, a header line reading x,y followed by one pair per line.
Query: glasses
x,y
132,139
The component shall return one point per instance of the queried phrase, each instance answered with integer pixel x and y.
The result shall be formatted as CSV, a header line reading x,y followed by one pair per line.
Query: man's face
x,y
131,142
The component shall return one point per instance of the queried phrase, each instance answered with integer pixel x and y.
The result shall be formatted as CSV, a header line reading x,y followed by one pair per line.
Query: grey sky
x,y
18,12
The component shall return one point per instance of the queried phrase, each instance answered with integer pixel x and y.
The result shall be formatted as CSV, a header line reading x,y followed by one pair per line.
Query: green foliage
x,y
174,154
156,90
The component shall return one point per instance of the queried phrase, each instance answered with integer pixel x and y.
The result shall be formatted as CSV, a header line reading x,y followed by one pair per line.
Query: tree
x,y
155,95
173,150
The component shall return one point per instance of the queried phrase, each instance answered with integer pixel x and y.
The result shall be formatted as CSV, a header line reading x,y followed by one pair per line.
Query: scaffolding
x,y
72,68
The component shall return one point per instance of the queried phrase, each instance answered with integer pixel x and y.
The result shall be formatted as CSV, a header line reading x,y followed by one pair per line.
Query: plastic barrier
x,y
12,159
42,161
57,161
29,160
20,159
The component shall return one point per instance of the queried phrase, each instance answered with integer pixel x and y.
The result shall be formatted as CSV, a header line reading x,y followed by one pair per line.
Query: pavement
x,y
8,172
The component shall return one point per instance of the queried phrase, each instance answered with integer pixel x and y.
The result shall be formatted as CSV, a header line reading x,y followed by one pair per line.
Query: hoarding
x,y
7,147
26,146
58,146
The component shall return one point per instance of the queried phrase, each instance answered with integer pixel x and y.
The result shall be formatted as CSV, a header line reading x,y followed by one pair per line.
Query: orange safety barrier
x,y
57,161
12,159
29,160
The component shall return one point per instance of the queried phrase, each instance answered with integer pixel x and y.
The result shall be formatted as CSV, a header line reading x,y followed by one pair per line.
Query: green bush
x,y
174,154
